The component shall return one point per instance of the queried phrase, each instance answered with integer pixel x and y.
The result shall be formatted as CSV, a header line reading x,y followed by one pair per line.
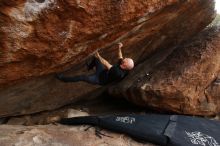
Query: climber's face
x,y
127,64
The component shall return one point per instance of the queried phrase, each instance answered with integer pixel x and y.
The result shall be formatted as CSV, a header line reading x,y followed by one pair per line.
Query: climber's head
x,y
127,64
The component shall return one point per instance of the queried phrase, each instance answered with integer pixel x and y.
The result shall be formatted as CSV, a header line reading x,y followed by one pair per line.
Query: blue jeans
x,y
92,79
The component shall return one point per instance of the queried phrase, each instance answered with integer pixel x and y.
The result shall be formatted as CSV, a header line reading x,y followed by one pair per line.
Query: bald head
x,y
127,64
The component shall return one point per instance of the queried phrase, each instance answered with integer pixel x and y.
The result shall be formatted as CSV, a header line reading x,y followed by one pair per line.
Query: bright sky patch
x,y
217,6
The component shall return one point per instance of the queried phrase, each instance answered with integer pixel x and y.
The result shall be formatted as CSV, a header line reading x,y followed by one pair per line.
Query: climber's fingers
x,y
120,45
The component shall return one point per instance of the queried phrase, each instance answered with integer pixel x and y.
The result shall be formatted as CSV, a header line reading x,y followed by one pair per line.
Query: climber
x,y
105,72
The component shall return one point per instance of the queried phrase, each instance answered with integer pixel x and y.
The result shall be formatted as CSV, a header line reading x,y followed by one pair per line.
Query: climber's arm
x,y
103,61
120,56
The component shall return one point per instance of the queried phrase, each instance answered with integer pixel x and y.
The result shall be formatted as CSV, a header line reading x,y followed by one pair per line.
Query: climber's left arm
x,y
103,61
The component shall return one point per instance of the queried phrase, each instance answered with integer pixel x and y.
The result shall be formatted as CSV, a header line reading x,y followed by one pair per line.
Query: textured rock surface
x,y
38,37
186,82
213,92
40,94
42,37
59,135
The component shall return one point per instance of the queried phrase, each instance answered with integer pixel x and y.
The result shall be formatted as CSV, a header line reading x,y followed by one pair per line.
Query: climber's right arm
x,y
103,61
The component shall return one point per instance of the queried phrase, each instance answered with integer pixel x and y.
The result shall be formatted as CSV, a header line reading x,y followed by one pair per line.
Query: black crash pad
x,y
165,130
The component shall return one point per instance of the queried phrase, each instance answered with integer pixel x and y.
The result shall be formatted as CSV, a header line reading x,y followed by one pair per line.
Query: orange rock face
x,y
40,37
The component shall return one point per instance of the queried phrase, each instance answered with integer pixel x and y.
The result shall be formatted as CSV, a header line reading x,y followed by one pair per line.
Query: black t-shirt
x,y
115,73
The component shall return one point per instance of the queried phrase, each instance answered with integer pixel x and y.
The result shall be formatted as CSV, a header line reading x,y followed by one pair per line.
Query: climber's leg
x,y
92,79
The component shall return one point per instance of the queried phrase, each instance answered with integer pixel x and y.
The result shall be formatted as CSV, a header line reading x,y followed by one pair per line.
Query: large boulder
x,y
186,82
39,37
